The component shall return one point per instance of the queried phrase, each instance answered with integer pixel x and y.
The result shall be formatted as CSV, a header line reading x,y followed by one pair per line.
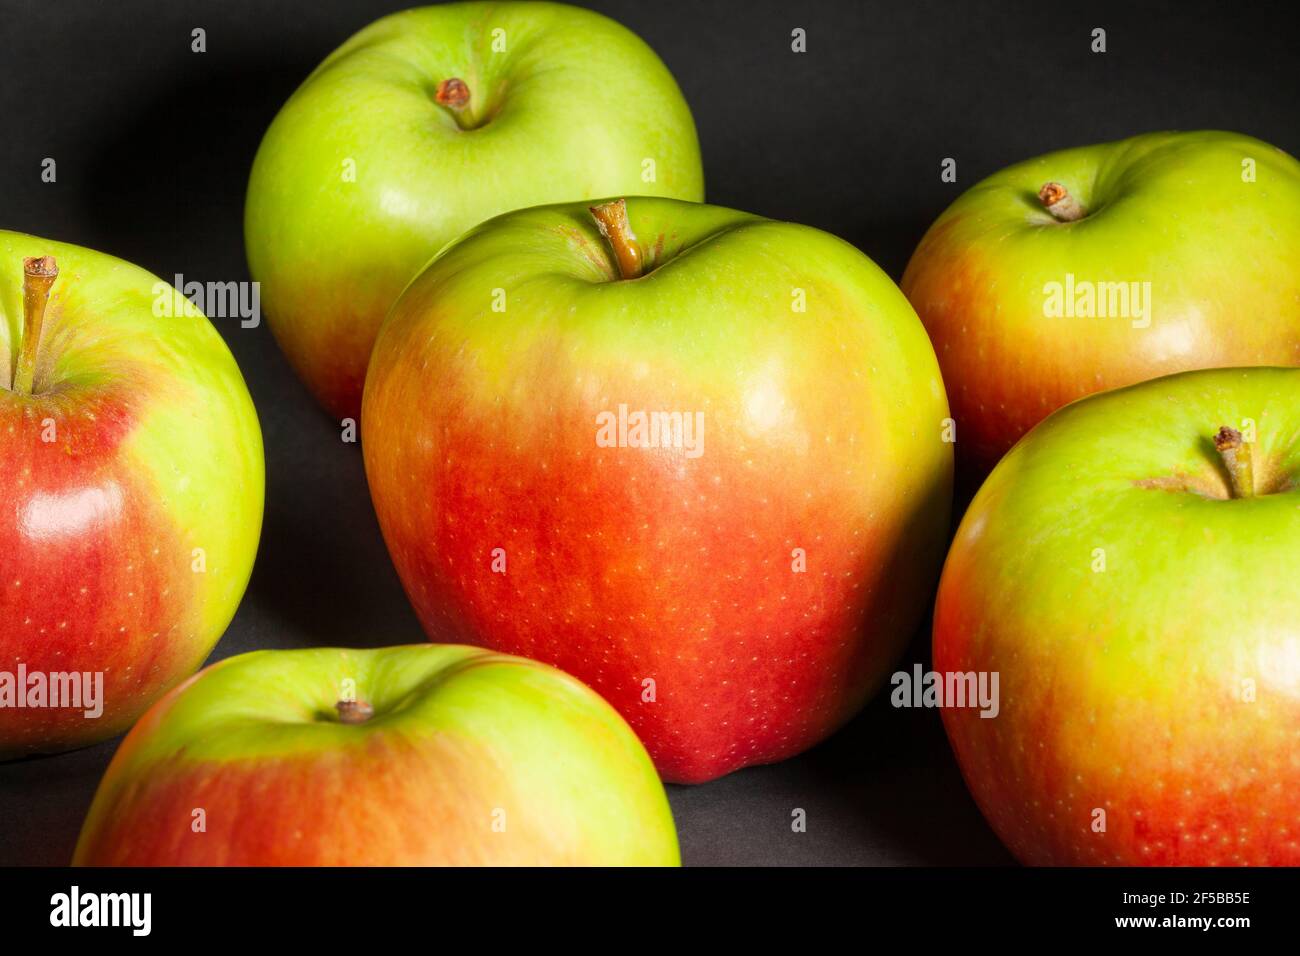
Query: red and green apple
x,y
428,122
1129,571
692,456
1102,266
426,755
132,476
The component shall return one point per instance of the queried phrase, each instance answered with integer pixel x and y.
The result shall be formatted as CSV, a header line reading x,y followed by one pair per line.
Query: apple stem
x,y
354,711
39,273
1056,199
453,94
611,220
1236,458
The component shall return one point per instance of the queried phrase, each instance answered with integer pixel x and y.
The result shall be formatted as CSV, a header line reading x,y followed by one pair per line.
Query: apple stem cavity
x,y
611,220
1235,453
39,273
354,711
1056,199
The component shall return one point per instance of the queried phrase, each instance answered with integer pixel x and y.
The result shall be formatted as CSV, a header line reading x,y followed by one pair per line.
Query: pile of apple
x,y
683,476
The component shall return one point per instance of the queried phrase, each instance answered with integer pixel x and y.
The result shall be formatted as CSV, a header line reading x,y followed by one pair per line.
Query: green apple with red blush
x,y
1129,571
691,456
132,475
1096,267
428,122
401,756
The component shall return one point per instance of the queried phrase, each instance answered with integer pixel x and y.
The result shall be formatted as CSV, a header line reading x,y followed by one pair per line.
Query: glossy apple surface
x,y
467,758
1145,626
737,604
1210,220
132,479
364,175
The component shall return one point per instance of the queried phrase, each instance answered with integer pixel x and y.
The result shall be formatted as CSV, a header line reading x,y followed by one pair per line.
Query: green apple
x,y
131,472
427,755
694,457
428,122
1130,572
1102,266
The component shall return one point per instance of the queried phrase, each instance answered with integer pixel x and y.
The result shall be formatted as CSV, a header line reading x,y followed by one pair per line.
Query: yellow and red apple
x,y
691,456
132,478
1096,267
428,122
1130,571
426,755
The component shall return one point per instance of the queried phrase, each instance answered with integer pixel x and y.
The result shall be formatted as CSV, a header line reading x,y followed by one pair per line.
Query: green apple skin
x,y
363,177
1177,210
132,479
470,758
736,606
1145,626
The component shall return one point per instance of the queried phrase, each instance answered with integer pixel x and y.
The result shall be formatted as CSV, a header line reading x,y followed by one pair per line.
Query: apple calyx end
x,y
1235,454
611,220
354,711
1058,202
39,273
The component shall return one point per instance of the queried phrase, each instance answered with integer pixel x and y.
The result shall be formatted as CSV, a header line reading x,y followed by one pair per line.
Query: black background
x,y
154,144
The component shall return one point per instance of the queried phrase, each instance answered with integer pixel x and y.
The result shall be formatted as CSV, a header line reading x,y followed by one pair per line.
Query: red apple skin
x,y
114,600
401,808
1171,209
625,567
1023,769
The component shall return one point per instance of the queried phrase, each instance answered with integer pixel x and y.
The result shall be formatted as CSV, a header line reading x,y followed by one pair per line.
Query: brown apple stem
x,y
453,94
1236,458
1056,199
611,220
39,273
354,711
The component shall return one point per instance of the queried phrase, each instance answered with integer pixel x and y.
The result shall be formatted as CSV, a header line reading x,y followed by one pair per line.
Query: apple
x,y
1129,571
132,478
428,122
426,755
1096,267
691,456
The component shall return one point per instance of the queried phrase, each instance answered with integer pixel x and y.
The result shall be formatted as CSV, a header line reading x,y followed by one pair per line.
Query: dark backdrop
x,y
154,143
